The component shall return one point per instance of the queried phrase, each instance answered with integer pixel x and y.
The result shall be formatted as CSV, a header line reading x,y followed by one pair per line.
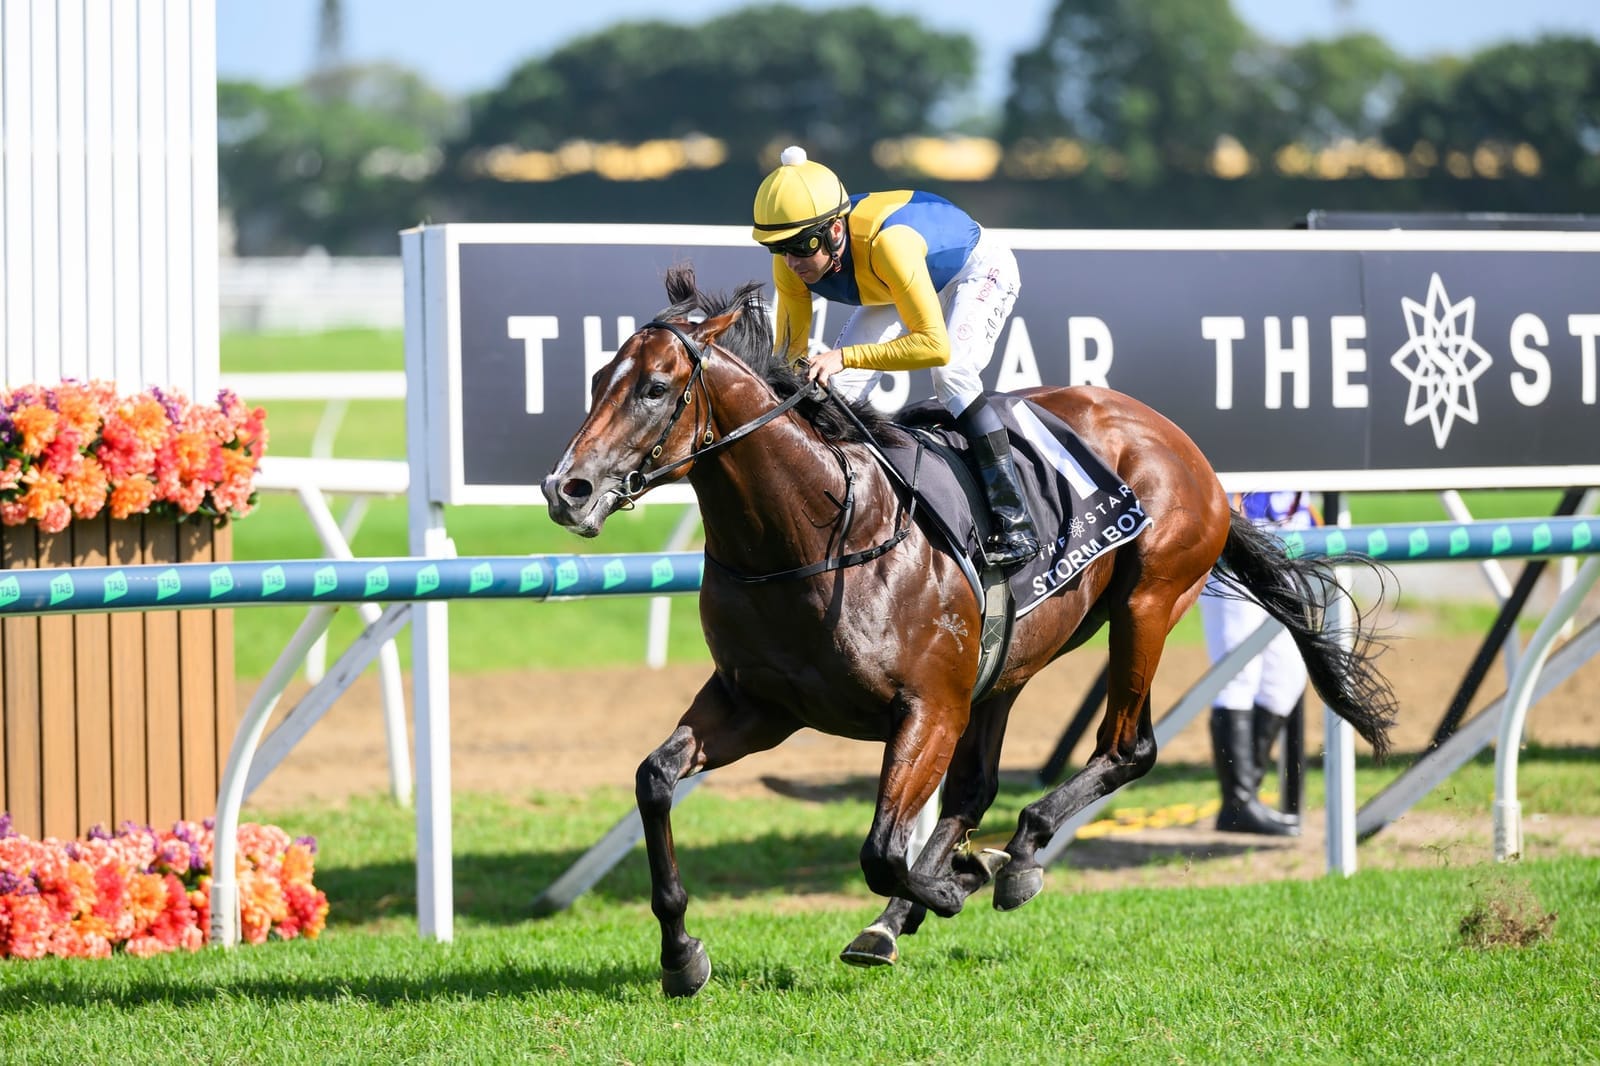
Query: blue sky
x,y
463,45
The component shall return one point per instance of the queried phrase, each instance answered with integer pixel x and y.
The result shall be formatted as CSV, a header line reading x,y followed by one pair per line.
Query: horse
x,y
826,602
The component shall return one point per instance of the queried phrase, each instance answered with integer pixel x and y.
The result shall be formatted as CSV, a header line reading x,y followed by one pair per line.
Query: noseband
x,y
636,483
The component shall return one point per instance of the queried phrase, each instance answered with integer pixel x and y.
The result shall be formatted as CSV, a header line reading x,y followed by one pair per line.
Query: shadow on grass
x,y
193,986
500,888
504,981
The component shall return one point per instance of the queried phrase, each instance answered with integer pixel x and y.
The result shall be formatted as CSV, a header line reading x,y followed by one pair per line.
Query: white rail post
x,y
1339,747
1507,808
230,794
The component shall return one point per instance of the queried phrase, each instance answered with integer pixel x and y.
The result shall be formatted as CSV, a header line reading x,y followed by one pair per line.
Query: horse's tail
x,y
1295,591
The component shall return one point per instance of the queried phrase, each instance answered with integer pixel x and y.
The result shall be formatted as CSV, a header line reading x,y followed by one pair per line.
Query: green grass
x,y
512,635
1371,968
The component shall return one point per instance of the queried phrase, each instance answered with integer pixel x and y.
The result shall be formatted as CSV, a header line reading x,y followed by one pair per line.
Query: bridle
x,y
637,482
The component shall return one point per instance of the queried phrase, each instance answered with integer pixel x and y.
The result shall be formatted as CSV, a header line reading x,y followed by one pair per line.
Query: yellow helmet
x,y
798,194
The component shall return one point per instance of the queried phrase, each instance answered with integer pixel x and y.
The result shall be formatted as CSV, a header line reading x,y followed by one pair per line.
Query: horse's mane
x,y
750,339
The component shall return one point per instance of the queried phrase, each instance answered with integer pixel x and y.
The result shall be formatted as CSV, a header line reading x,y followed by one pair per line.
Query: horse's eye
x,y
655,390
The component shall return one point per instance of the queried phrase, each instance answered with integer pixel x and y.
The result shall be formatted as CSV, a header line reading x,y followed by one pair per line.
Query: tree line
x,y
1125,113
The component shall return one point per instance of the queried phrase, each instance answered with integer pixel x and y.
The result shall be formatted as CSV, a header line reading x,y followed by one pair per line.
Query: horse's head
x,y
648,409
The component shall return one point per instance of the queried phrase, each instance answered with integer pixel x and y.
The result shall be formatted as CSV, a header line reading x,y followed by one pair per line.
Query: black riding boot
x,y
1267,727
1013,541
1234,750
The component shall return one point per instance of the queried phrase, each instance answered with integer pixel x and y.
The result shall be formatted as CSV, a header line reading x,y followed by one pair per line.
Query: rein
x,y
637,482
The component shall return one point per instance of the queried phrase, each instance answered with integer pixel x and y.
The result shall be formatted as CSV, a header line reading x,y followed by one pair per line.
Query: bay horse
x,y
825,604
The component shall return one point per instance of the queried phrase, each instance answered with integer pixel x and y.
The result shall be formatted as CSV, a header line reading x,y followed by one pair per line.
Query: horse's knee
x,y
879,869
1144,758
1034,823
654,781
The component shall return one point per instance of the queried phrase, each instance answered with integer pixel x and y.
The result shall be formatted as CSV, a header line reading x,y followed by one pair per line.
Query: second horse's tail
x,y
1340,663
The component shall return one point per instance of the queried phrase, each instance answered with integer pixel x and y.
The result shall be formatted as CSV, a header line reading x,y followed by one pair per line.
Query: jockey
x,y
1249,713
931,289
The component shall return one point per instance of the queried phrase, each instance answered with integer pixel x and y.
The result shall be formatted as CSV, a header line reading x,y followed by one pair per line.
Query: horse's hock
x,y
114,717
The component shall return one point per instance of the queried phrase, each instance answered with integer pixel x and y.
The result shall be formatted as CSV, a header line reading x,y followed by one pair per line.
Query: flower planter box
x,y
106,718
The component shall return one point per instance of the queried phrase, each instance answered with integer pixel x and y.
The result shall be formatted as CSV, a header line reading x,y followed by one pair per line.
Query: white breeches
x,y
1274,679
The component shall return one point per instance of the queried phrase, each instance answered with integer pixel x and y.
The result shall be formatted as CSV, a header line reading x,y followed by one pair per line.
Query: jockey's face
x,y
812,268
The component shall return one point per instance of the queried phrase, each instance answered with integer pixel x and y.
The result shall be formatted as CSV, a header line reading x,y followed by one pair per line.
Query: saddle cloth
x,y
1080,507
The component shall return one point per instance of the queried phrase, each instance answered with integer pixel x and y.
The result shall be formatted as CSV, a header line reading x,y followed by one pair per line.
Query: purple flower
x,y
12,885
98,832
309,841
5,825
174,412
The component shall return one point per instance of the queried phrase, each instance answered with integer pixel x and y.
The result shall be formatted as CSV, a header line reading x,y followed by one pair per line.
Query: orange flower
x,y
128,498
36,425
86,489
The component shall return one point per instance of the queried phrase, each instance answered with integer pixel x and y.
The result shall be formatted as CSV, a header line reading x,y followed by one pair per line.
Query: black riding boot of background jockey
x,y
1013,541
1241,742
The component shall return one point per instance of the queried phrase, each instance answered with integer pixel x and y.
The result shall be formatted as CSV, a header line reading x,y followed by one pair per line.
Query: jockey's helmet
x,y
800,194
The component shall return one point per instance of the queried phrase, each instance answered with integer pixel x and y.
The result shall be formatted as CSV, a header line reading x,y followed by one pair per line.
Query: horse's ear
x,y
680,283
712,328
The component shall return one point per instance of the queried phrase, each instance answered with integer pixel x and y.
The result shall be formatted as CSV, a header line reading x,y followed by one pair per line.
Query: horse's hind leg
x,y
713,732
1125,747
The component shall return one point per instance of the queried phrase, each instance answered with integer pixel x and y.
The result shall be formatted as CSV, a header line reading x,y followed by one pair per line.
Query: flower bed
x,y
76,449
147,892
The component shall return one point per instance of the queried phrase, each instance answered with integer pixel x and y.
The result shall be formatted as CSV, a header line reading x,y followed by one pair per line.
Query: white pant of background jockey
x,y
1273,680
976,302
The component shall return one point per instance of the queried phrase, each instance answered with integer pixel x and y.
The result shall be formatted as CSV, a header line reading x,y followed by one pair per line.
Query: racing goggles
x,y
804,244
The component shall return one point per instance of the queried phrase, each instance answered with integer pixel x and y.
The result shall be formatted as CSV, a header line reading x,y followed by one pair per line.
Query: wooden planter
x,y
114,717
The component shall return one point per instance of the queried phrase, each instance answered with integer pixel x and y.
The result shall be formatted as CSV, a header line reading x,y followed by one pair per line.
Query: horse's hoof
x,y
873,946
691,977
993,860
1015,886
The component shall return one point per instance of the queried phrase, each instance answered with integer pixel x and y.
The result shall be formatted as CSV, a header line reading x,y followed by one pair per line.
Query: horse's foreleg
x,y
944,875
914,761
969,789
710,734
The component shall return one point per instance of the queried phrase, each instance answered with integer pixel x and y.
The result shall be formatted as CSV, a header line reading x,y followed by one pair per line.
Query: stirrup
x,y
1009,550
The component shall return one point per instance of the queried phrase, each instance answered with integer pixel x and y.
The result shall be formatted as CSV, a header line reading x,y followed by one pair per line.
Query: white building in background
x,y
108,192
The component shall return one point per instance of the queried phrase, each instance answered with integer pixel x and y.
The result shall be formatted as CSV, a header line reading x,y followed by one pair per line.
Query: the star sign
x,y
1441,361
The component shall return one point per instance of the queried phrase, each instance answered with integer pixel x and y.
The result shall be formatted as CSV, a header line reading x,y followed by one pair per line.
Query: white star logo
x,y
1441,360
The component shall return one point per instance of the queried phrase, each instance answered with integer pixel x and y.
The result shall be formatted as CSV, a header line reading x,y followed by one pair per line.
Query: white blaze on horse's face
x,y
631,399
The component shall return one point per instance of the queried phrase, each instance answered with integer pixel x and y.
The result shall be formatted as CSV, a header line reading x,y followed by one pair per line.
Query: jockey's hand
x,y
824,365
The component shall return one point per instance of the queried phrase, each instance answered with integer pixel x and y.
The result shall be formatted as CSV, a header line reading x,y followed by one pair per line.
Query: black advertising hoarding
x,y
1320,360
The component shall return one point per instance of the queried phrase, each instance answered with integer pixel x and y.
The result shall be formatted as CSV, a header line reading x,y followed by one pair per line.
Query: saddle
x,y
1080,508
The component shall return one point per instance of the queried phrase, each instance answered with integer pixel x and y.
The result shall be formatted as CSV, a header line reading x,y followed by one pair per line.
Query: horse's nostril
x,y
576,488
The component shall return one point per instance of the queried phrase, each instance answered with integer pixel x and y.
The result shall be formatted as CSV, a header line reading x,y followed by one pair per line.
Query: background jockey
x,y
1249,712
931,289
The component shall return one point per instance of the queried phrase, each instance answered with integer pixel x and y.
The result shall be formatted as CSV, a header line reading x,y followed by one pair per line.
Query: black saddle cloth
x,y
1080,507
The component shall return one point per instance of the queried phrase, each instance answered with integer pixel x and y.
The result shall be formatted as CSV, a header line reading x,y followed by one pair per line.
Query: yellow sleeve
x,y
899,259
791,332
